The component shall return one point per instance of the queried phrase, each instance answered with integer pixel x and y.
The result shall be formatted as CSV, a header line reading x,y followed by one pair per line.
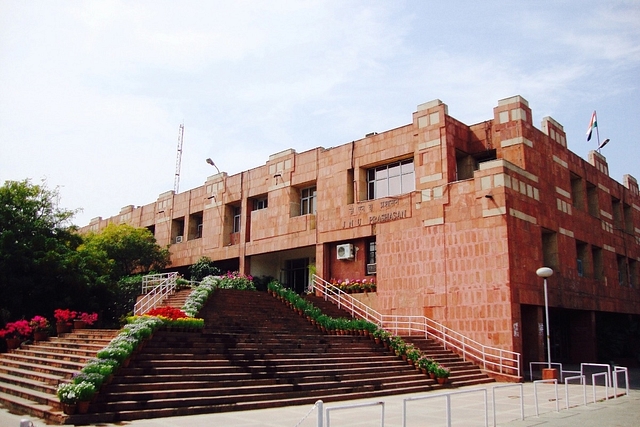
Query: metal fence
x,y
489,358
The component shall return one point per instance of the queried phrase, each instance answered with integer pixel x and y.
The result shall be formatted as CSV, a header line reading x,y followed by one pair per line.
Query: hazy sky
x,y
92,93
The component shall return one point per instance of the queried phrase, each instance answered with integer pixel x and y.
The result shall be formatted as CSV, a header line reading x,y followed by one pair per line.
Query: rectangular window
x,y
627,213
577,191
550,249
598,265
616,207
195,225
592,200
371,254
177,230
260,203
237,210
308,201
391,180
582,259
622,270
633,273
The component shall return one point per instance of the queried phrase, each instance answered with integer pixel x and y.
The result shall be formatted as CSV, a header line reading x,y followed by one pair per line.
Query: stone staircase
x,y
463,373
254,353
177,299
29,376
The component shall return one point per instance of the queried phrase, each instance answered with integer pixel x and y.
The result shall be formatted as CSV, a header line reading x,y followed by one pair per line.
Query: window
x,y
633,273
177,230
371,257
616,207
577,191
308,201
623,275
592,200
195,225
371,253
260,203
598,265
582,260
550,249
391,180
627,213
237,210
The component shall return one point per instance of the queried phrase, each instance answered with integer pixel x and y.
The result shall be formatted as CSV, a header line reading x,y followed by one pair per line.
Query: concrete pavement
x,y
467,408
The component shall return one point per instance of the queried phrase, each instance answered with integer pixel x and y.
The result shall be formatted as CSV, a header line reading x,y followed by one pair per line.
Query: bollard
x,y
26,423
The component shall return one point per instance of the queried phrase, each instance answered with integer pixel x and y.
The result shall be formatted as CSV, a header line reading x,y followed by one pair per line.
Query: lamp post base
x,y
549,374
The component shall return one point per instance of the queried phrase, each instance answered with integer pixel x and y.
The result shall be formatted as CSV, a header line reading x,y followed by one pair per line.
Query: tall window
x,y
236,219
550,249
308,201
582,261
391,180
592,200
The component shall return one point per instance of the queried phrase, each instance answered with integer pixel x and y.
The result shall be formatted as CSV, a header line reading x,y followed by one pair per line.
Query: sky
x,y
93,93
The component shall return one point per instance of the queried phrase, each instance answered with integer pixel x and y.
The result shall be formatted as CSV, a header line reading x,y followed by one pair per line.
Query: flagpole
x,y
597,129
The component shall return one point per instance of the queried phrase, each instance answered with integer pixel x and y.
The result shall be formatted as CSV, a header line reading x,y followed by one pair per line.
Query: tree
x,y
202,268
39,265
129,250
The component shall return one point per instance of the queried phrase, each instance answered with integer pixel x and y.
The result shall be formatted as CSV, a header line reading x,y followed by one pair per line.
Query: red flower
x,y
17,329
168,312
89,319
39,323
65,315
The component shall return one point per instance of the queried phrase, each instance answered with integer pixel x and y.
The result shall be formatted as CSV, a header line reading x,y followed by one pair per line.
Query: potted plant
x,y
413,354
40,327
68,395
426,364
15,333
441,373
85,392
64,319
83,320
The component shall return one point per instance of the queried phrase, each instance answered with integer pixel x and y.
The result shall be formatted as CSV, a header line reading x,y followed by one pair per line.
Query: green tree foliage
x,y
129,250
203,268
39,264
45,264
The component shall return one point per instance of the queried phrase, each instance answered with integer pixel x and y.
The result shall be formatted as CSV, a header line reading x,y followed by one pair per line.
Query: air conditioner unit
x,y
345,251
371,269
178,239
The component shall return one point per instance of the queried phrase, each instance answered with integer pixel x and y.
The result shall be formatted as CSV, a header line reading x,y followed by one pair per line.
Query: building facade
x,y
452,220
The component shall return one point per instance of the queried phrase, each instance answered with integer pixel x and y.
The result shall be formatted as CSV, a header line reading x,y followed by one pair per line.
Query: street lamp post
x,y
545,272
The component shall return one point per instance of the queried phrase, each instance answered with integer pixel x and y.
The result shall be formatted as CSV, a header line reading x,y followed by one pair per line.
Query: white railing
x,y
155,288
489,358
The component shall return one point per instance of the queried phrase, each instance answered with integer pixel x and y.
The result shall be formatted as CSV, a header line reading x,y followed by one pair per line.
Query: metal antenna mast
x,y
176,182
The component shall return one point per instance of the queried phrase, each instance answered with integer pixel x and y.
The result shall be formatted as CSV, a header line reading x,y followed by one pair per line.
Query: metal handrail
x,y
490,358
155,287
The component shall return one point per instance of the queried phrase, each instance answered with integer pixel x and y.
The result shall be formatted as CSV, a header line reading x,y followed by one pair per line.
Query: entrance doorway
x,y
297,274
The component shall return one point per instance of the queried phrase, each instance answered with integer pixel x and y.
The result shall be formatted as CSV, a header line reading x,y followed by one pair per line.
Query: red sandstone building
x,y
453,220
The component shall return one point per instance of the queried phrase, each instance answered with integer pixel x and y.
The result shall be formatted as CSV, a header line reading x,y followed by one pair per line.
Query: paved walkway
x,y
428,409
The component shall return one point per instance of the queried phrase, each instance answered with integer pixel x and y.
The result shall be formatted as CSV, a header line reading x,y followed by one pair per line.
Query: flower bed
x,y
351,286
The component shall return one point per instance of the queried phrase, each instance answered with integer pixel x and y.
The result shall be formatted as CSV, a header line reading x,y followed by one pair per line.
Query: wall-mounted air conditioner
x,y
371,269
178,239
345,251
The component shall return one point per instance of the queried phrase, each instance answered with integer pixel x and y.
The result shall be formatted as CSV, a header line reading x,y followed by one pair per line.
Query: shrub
x,y
64,315
67,393
18,329
114,353
94,378
235,280
39,323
